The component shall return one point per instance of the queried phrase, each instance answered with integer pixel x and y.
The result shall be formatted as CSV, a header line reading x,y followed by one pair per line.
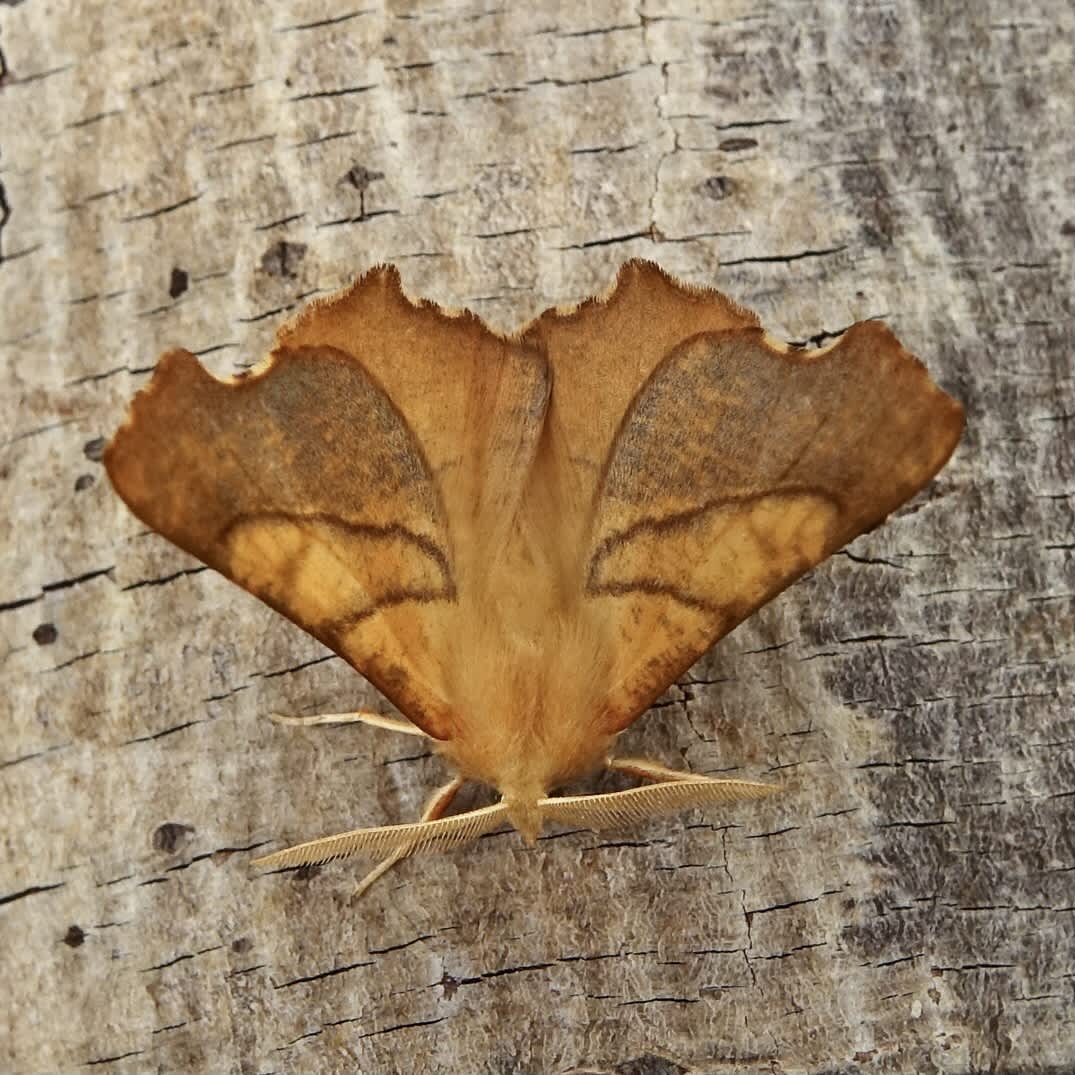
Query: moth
x,y
523,540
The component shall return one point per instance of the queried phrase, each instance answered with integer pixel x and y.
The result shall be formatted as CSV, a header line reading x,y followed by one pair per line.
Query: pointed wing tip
x,y
640,274
384,275
874,340
949,416
647,272
384,281
940,417
178,371
173,366
180,384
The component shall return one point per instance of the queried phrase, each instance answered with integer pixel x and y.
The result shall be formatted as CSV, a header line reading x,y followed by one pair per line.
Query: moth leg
x,y
646,769
437,804
360,716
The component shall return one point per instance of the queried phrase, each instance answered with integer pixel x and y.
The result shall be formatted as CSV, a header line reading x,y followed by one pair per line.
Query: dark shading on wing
x,y
739,466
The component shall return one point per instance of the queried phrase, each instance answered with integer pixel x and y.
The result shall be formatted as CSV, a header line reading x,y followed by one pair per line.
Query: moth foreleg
x,y
437,804
360,716
646,769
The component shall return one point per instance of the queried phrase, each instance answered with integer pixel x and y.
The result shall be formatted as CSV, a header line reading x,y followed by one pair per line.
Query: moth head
x,y
527,815
525,767
524,779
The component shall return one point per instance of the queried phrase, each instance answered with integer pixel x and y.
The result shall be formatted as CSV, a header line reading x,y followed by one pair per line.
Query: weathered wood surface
x,y
183,176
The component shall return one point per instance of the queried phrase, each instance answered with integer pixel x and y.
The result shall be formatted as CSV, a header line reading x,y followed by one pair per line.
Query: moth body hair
x,y
523,539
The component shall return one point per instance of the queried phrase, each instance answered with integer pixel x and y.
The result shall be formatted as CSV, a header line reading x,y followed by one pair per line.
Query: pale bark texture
x,y
184,175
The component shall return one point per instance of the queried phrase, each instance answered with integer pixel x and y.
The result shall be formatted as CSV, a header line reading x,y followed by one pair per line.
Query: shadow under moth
x,y
522,541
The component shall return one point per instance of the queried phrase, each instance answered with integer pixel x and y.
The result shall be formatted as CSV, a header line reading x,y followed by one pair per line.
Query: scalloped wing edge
x,y
387,275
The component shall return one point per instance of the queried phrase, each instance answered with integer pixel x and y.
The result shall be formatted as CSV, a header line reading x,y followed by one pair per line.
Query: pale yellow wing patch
x,y
334,567
677,582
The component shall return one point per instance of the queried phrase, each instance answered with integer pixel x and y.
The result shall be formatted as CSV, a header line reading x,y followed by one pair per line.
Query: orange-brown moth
x,y
522,541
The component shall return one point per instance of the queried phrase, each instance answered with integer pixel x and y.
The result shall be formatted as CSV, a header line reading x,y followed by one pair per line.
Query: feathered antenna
x,y
636,804
592,811
407,839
